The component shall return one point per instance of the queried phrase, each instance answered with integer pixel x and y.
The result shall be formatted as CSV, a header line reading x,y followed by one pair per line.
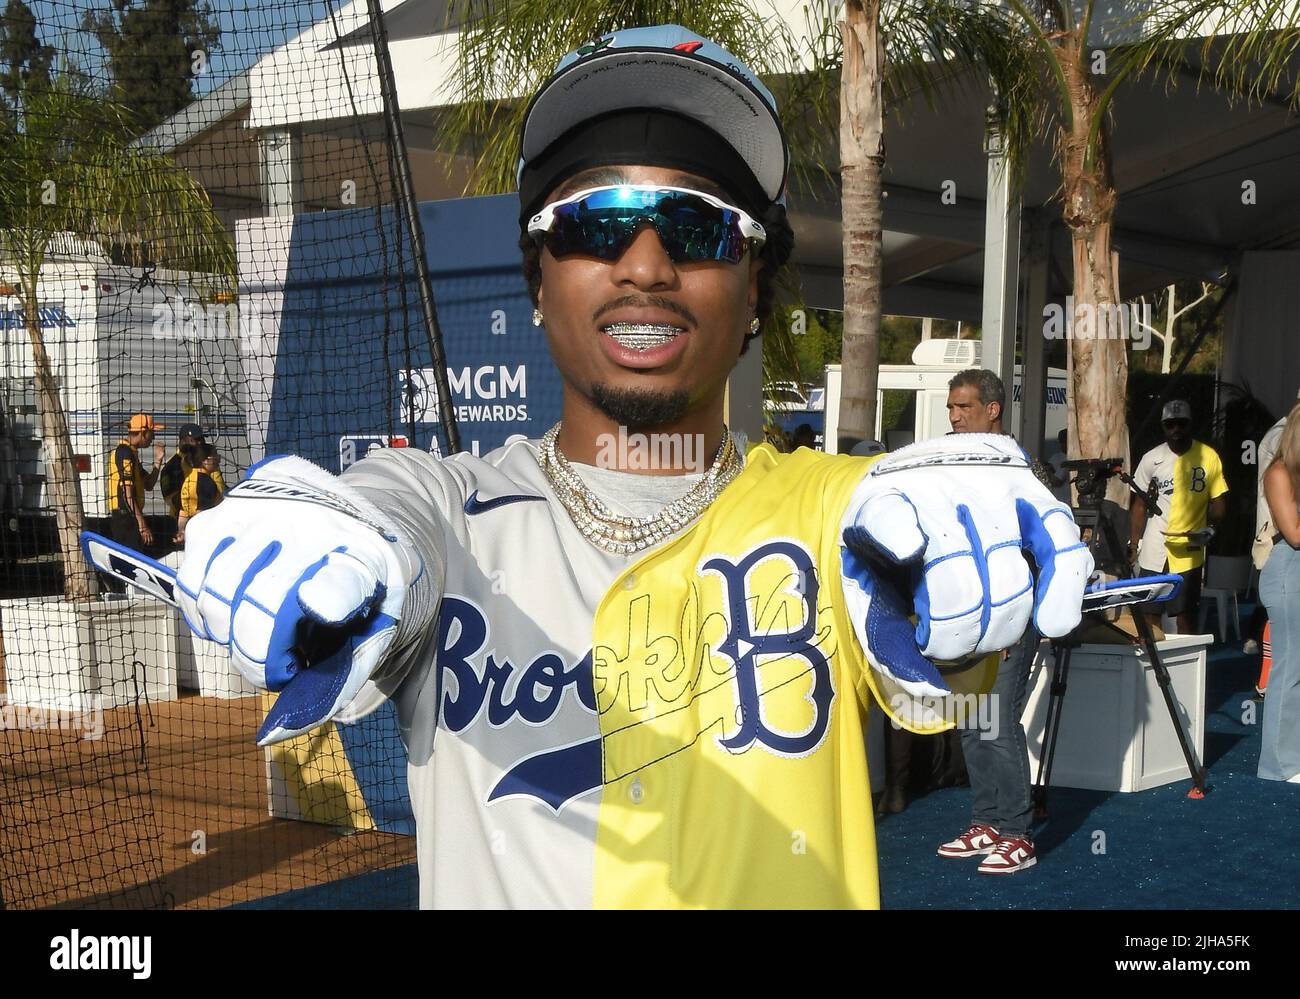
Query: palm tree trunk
x,y
79,582
862,160
1098,344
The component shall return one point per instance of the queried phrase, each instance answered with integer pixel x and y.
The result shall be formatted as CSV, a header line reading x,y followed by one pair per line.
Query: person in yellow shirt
x,y
212,465
203,487
1187,476
179,465
128,482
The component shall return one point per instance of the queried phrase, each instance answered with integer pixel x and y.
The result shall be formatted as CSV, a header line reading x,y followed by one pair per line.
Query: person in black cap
x,y
1187,478
646,684
203,488
178,467
128,482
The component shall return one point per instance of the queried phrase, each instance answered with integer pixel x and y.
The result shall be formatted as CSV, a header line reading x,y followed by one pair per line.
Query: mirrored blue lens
x,y
605,223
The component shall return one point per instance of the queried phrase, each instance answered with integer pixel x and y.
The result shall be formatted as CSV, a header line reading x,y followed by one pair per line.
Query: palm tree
x,y
1098,356
508,47
68,166
890,50
1242,51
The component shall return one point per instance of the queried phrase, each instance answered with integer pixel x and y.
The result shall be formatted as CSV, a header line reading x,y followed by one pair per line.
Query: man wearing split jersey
x,y
631,686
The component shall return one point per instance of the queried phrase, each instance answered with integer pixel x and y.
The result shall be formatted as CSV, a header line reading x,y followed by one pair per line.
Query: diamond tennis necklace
x,y
622,535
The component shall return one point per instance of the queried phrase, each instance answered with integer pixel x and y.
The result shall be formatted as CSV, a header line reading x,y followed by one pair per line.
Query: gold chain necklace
x,y
622,535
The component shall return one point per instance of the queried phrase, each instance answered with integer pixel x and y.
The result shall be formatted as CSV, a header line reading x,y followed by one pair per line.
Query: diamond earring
x,y
755,325
537,317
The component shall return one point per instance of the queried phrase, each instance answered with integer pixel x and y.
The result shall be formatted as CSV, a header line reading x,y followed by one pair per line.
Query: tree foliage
x,y
24,62
155,50
69,166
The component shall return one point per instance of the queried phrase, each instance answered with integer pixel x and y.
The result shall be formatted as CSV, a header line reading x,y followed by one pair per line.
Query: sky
x,y
249,29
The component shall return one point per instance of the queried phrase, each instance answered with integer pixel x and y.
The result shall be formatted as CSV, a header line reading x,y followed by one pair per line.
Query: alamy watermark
x,y
90,952
977,712
1108,321
83,713
646,452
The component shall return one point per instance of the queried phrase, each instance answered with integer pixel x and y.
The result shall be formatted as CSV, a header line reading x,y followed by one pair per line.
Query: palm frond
x,y
941,46
509,47
1247,49
69,166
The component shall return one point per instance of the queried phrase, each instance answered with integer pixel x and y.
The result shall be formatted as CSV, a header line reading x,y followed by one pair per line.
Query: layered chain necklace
x,y
621,535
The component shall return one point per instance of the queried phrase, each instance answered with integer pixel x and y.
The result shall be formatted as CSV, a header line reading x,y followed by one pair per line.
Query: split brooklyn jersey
x,y
678,728
1186,483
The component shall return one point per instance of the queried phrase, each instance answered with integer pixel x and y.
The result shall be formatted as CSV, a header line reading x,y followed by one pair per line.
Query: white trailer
x,y
912,399
121,340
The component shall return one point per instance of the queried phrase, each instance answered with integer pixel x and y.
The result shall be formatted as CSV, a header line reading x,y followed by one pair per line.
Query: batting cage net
x,y
210,252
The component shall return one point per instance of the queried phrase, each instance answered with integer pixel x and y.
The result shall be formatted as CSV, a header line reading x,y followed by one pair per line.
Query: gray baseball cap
x,y
1176,409
666,68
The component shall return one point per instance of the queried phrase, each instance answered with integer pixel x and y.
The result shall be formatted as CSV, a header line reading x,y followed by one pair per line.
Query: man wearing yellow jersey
x,y
629,682
128,482
1187,476
179,465
202,489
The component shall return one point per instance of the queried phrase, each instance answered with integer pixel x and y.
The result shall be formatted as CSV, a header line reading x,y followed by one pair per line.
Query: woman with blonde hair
x,y
1279,589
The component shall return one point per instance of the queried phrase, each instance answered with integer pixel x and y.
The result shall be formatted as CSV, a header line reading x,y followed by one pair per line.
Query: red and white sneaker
x,y
974,841
1012,853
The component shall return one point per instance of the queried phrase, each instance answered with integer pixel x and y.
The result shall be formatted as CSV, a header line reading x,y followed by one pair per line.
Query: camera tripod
x,y
1089,515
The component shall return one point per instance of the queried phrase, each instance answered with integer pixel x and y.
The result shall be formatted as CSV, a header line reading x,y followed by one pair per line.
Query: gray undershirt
x,y
635,494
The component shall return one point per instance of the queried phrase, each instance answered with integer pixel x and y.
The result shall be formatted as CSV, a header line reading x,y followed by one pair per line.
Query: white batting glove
x,y
298,575
938,529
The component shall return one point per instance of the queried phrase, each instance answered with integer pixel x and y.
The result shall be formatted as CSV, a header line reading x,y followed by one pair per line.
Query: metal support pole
x,y
1032,427
406,195
280,159
1001,260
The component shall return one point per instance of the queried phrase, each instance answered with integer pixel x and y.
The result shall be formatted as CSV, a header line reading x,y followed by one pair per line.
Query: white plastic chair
x,y
1225,578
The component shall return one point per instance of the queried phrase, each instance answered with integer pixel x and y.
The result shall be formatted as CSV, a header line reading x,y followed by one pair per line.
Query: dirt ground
x,y
167,808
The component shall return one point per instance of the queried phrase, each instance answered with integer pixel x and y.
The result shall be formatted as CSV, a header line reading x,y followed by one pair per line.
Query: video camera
x,y
1090,478
1091,475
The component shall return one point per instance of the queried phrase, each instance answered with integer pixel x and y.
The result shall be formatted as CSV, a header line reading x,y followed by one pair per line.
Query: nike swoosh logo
x,y
474,505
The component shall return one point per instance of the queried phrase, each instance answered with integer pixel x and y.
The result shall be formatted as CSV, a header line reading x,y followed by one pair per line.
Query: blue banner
x,y
352,364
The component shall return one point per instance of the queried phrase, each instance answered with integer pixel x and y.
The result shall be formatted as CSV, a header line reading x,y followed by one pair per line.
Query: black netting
x,y
202,220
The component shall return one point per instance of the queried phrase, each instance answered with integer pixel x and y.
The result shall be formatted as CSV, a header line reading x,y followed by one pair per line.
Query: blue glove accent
x,y
1033,530
921,605
264,558
890,632
265,461
283,653
315,693
981,563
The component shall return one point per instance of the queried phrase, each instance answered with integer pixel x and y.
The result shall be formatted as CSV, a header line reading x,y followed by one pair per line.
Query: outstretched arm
x,y
1137,523
1280,493
312,587
959,532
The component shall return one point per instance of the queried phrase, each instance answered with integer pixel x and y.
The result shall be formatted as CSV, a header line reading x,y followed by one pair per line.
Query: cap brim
x,y
665,80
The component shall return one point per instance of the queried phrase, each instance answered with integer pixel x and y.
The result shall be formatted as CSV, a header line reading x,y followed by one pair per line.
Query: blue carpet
x,y
392,888
1236,848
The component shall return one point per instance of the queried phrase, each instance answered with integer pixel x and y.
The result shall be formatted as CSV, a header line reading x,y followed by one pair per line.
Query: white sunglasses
x,y
603,221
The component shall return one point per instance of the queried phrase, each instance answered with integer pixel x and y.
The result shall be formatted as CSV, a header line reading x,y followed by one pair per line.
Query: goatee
x,y
640,409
